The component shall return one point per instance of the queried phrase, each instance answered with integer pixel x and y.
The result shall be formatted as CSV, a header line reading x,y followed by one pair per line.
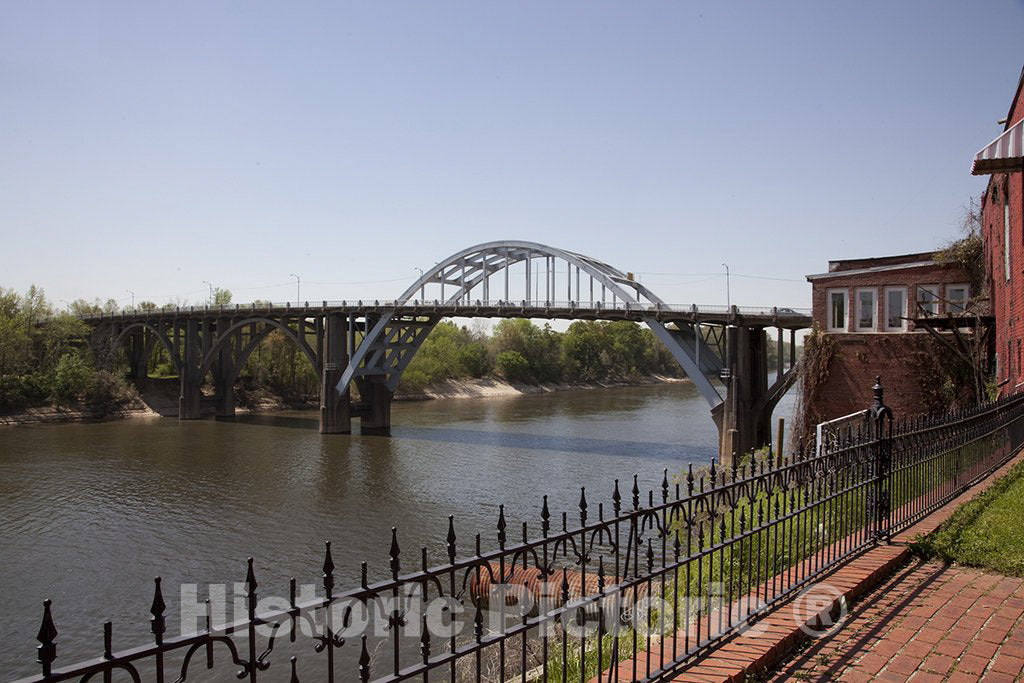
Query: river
x,y
90,513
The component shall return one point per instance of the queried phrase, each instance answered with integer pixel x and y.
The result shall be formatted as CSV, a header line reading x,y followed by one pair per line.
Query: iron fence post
x,y
881,419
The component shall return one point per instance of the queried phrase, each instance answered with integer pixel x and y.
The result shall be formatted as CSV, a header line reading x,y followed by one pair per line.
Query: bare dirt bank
x,y
489,387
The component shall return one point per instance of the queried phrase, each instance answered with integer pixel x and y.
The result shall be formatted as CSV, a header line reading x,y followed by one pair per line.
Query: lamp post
x,y
728,295
133,297
423,285
298,288
211,290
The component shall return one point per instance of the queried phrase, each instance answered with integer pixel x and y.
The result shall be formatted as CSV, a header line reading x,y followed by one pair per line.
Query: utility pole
x,y
298,286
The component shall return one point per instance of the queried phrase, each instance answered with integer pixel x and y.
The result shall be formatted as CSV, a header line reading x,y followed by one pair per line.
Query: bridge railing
x,y
683,567
466,305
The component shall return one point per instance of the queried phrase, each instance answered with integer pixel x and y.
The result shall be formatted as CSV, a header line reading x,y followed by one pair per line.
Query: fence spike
x,y
394,552
478,623
583,505
328,569
689,479
545,517
158,622
664,486
616,499
425,640
47,637
295,673
501,526
450,545
636,493
600,573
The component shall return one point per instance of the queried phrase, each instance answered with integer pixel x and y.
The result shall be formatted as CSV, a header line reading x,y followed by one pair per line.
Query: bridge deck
x,y
786,318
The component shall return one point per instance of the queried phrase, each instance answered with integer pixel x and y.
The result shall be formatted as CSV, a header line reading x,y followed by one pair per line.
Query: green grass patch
x,y
985,532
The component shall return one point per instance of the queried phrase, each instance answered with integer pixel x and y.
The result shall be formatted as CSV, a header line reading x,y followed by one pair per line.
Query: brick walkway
x,y
928,622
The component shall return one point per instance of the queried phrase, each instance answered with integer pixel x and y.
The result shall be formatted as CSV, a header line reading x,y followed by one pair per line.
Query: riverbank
x,y
56,415
490,387
156,399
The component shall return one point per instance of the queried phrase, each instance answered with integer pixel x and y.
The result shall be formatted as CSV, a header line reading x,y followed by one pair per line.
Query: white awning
x,y
1002,155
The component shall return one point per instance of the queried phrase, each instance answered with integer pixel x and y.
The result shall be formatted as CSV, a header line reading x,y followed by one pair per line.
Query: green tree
x,y
513,366
221,297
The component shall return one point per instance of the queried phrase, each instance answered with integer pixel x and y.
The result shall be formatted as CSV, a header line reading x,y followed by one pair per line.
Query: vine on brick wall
x,y
819,351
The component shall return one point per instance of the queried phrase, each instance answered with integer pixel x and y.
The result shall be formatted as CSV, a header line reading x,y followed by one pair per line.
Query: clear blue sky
x,y
152,146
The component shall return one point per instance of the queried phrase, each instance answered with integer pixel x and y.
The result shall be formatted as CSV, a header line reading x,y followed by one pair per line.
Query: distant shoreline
x,y
449,389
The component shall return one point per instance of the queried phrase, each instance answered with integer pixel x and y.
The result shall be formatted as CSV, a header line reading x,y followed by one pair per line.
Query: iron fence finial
x,y
158,623
450,545
47,636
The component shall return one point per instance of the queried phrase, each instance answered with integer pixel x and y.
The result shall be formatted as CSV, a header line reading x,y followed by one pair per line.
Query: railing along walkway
x,y
814,612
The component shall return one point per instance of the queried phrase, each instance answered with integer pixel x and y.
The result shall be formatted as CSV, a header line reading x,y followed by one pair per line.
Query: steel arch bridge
x,y
369,344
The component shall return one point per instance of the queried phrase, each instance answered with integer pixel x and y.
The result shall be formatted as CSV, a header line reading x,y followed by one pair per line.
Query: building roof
x,y
876,264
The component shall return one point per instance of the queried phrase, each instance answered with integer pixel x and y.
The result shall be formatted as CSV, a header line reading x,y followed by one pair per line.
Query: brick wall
x,y
1004,189
907,363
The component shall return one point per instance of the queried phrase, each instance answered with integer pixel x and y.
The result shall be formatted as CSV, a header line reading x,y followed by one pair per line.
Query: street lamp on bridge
x,y
728,296
133,297
298,285
423,285
211,290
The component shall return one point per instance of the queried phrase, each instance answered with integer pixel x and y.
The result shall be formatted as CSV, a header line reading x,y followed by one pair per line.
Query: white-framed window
x,y
927,300
866,307
837,305
895,309
956,298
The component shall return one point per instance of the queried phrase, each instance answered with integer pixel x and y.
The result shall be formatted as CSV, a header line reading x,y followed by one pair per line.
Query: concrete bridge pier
x,y
335,407
138,356
190,396
224,373
744,418
375,411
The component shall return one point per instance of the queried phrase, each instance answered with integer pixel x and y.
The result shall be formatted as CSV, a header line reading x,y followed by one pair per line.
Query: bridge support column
x,y
376,416
224,375
138,360
335,407
744,422
190,397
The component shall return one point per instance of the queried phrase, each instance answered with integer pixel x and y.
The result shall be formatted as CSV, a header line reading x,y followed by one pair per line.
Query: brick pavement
x,y
928,622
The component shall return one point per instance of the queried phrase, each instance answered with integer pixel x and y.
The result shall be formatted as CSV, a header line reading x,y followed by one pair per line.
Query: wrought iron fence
x,y
671,572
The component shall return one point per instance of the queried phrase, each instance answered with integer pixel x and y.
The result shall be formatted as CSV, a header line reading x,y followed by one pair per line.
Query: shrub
x,y
69,378
513,366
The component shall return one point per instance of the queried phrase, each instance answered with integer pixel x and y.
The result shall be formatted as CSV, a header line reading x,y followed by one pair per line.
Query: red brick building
x,y
1002,215
867,308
